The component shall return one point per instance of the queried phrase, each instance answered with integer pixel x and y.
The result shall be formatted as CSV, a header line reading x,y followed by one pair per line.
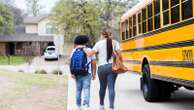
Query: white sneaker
x,y
101,107
110,109
85,107
78,108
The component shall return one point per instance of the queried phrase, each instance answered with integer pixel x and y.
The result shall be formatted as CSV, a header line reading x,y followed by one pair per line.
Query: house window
x,y
49,29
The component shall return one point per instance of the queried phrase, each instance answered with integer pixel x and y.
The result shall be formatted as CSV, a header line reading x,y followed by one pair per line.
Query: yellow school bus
x,y
158,43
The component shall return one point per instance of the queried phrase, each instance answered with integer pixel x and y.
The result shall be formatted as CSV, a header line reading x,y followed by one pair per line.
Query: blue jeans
x,y
107,78
83,84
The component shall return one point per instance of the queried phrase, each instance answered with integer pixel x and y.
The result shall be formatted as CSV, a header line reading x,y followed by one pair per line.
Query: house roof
x,y
34,20
21,36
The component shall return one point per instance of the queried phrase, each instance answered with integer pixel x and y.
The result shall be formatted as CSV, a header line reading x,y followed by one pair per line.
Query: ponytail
x,y
109,49
109,45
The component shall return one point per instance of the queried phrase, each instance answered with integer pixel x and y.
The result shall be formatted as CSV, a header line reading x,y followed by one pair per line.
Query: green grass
x,y
41,80
12,60
20,84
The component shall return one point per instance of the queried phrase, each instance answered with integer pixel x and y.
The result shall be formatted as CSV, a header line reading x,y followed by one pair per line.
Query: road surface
x,y
129,96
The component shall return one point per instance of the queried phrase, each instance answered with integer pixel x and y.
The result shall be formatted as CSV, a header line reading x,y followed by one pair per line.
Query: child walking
x,y
83,69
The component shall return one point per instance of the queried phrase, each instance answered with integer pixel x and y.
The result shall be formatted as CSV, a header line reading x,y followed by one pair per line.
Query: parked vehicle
x,y
159,46
50,53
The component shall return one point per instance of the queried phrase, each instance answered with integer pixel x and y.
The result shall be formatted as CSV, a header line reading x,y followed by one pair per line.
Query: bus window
x,y
144,19
175,12
123,31
187,9
139,23
157,14
130,27
134,26
150,18
165,9
126,29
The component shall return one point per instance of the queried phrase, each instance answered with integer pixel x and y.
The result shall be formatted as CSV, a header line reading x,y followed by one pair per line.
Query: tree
x,y
17,15
111,10
87,16
76,18
33,7
6,20
8,2
16,12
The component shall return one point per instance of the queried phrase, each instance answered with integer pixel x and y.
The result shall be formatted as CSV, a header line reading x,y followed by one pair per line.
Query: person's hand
x,y
89,52
93,77
73,76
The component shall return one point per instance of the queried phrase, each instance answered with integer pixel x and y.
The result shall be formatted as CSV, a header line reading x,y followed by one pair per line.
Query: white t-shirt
x,y
89,59
101,48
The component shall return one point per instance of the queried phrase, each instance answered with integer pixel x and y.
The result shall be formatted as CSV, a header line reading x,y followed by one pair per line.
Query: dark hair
x,y
81,40
107,34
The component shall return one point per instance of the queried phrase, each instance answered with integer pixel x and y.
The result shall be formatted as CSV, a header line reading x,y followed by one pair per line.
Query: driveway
x,y
39,63
129,96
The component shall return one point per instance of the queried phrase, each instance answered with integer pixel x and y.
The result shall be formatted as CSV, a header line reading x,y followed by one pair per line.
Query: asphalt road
x,y
129,97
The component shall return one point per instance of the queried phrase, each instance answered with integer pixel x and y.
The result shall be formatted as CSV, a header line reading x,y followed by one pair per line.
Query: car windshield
x,y
51,49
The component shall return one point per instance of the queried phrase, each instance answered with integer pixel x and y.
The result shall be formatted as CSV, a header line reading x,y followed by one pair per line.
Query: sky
x,y
47,4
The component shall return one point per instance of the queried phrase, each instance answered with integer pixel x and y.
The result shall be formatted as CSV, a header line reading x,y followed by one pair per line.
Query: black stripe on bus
x,y
164,46
185,64
174,26
174,80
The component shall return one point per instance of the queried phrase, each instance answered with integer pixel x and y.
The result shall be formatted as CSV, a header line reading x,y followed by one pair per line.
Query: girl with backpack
x,y
104,49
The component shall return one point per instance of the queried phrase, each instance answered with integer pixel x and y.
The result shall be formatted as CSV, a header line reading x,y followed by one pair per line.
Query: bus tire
x,y
141,83
166,90
150,87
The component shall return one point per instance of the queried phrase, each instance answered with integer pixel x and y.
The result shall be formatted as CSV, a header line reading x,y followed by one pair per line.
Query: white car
x,y
50,53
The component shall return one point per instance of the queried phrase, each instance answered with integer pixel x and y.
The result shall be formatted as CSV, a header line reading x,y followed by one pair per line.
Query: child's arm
x,y
93,69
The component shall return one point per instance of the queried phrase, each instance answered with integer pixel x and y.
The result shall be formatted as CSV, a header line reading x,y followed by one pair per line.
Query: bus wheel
x,y
166,90
150,87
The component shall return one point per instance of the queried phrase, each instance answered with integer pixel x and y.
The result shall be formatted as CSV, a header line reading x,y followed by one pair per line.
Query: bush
x,y
57,72
21,71
40,72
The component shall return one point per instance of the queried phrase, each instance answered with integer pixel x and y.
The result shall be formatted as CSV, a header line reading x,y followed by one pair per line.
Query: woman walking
x,y
104,49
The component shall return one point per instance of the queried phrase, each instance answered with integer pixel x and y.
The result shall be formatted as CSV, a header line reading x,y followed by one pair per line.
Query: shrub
x,y
40,72
57,72
21,71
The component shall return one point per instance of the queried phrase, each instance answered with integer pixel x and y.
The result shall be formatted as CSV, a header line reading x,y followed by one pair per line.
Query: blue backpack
x,y
79,64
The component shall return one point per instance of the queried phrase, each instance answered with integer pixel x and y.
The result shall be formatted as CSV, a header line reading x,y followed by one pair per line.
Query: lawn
x,y
12,60
22,91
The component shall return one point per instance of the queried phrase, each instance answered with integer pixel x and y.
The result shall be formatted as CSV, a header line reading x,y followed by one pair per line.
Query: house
x,y
31,38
